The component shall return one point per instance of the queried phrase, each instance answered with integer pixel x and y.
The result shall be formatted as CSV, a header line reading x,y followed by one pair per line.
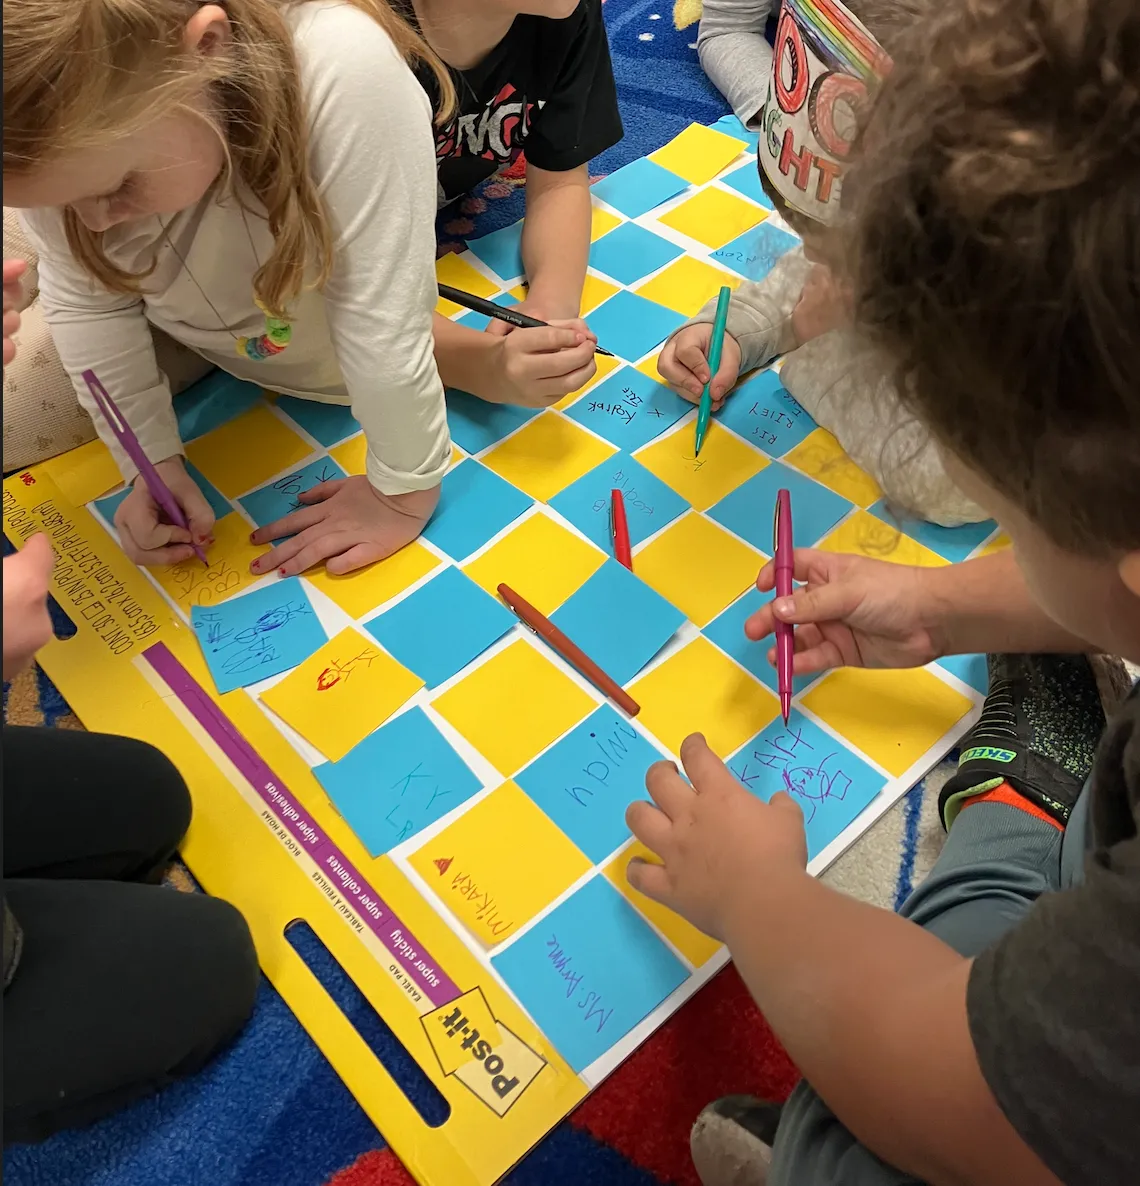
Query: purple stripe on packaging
x,y
421,969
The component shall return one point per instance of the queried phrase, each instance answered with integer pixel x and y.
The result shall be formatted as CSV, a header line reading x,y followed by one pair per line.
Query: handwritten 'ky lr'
x,y
260,634
342,692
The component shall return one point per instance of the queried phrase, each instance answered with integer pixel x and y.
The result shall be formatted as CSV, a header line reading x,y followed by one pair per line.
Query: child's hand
x,y
346,522
715,839
684,364
535,368
824,305
146,537
27,624
851,612
13,270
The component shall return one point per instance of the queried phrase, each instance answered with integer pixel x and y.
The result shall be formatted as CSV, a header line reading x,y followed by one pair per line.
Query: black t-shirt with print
x,y
547,87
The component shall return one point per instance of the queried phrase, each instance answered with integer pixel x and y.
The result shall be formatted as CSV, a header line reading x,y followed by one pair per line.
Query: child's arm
x,y
759,325
556,241
871,1007
736,55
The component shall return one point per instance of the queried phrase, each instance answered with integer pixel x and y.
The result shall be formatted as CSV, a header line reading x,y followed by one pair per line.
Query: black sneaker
x,y
731,1141
1038,732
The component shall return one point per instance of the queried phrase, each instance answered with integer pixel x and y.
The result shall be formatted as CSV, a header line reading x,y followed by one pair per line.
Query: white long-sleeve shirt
x,y
366,340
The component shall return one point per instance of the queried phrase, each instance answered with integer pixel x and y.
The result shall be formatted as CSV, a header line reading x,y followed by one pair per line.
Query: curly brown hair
x,y
996,250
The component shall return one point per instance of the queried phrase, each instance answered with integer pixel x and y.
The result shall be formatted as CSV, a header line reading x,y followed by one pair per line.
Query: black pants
x,y
123,985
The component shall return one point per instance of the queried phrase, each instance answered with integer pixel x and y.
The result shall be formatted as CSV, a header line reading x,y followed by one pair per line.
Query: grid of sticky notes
x,y
451,740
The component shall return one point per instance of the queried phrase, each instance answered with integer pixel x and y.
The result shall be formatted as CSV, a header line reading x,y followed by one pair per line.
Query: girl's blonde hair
x,y
78,73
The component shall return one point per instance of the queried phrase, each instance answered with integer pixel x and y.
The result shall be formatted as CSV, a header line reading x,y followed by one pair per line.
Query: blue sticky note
x,y
649,503
480,321
211,402
630,326
280,498
970,669
397,781
754,253
629,409
727,631
589,972
259,634
831,785
763,413
951,543
219,504
501,251
638,187
619,621
476,424
442,626
474,505
746,181
630,252
750,508
731,125
327,424
587,779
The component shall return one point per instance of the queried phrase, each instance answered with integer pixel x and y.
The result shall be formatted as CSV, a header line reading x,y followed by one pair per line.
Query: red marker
x,y
784,556
619,530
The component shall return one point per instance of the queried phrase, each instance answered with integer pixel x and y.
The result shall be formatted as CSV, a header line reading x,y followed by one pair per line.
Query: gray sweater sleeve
x,y
735,54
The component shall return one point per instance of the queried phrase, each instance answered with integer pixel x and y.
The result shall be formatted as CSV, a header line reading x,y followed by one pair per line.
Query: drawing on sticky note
x,y
339,670
809,775
239,652
443,864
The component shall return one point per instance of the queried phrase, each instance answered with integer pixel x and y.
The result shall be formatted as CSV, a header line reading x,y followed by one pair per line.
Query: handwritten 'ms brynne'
x,y
593,1007
611,752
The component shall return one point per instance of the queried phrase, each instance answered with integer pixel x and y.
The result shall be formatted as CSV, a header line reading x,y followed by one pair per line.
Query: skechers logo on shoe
x,y
986,753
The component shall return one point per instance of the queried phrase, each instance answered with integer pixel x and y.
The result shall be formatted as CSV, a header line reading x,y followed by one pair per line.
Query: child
x,y
989,1034
533,78
832,369
257,181
113,987
735,53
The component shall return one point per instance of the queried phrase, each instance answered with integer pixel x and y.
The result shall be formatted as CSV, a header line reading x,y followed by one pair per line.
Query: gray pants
x,y
996,863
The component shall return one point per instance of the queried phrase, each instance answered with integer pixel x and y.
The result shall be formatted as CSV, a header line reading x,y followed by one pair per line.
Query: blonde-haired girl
x,y
258,181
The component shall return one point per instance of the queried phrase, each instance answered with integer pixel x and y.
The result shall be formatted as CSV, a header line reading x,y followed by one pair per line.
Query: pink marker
x,y
125,435
783,552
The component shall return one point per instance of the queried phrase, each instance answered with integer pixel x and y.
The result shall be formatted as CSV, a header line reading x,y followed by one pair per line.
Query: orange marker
x,y
575,656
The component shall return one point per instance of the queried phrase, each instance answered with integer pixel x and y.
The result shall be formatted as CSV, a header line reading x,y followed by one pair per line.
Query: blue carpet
x,y
271,1111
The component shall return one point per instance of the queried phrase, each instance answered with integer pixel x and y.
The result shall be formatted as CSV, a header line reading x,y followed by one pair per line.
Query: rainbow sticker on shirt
x,y
278,332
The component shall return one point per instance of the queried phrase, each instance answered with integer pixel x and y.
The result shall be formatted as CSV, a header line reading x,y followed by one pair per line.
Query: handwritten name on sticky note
x,y
589,971
342,692
261,634
225,573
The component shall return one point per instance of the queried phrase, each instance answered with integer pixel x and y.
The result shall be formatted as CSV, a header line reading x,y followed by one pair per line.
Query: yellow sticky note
x,y
366,589
456,271
594,291
499,864
714,217
514,705
698,154
546,455
701,690
894,717
697,947
724,463
226,573
698,566
85,473
352,455
648,366
342,692
869,536
687,284
821,456
999,543
247,451
540,560
601,223
605,366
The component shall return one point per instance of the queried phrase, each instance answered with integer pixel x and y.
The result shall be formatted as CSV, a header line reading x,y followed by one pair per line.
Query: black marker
x,y
490,309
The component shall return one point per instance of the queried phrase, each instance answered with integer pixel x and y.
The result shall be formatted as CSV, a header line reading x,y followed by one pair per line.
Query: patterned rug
x,y
271,1111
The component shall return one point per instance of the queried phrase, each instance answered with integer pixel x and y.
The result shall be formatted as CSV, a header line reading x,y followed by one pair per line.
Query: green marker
x,y
715,347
